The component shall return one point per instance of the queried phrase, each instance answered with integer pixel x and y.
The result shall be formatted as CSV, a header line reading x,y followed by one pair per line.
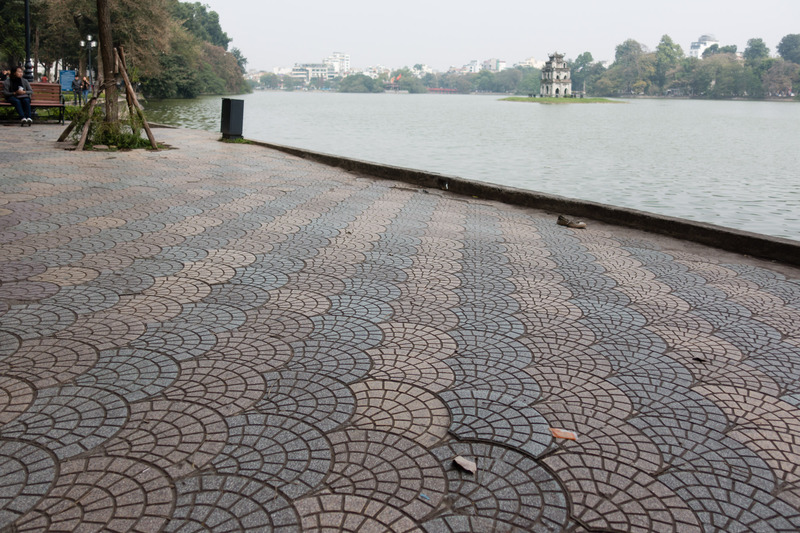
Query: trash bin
x,y
232,118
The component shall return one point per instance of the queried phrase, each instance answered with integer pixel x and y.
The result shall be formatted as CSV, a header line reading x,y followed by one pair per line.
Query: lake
x,y
731,163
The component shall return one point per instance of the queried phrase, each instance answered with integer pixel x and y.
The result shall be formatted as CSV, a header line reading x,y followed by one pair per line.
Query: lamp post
x,y
28,75
88,44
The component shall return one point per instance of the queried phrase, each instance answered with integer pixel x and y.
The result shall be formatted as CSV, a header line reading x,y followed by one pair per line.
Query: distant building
x,y
700,46
531,62
375,71
306,72
494,65
556,79
339,63
473,67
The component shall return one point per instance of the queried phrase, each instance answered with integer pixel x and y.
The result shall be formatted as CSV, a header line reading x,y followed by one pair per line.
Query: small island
x,y
556,86
562,100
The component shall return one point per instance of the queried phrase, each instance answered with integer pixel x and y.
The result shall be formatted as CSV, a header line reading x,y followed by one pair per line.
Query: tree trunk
x,y
36,52
107,53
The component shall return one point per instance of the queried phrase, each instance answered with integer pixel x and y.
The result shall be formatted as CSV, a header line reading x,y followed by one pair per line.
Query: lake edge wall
x,y
728,239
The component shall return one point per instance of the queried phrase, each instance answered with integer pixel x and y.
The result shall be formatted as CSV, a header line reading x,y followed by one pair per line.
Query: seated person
x,y
17,91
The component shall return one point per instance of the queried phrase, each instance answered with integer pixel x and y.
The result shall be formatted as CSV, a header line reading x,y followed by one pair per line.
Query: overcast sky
x,y
441,33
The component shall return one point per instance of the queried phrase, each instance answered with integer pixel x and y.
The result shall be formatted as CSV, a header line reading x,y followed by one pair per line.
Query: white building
x,y
306,72
339,63
556,80
473,67
531,62
494,65
375,71
700,46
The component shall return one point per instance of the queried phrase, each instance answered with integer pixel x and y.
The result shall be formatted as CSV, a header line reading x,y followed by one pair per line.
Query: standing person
x,y
17,91
85,86
76,90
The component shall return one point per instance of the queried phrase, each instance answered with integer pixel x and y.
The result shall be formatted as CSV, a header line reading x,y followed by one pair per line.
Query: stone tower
x,y
556,79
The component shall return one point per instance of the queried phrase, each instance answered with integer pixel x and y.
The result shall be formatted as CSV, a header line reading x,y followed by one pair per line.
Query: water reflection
x,y
728,163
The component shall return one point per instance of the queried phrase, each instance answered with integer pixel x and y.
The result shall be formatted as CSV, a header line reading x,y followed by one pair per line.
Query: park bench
x,y
45,96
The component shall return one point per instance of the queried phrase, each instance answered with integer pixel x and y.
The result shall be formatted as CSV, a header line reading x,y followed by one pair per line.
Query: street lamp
x,y
89,44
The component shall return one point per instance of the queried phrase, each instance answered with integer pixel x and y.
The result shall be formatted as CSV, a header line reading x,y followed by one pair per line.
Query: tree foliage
x,y
789,48
359,83
719,74
174,49
756,51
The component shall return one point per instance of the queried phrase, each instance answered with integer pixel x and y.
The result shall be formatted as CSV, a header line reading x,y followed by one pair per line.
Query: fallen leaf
x,y
466,464
564,434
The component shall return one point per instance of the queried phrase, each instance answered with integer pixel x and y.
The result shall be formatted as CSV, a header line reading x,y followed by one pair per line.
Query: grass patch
x,y
235,141
548,100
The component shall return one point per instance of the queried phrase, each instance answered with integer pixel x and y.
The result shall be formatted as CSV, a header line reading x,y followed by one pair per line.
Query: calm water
x,y
735,164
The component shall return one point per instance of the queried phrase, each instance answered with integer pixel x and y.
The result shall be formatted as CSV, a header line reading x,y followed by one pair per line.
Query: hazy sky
x,y
441,33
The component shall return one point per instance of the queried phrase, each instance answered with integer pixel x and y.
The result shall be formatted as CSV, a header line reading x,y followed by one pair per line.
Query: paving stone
x,y
225,337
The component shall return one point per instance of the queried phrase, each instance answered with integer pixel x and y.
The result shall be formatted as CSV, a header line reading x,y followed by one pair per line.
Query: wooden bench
x,y
45,95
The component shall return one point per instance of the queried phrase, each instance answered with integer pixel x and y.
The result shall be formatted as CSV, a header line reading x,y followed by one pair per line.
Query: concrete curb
x,y
728,239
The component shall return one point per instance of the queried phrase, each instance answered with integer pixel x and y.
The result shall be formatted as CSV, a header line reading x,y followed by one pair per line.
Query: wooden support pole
x,y
132,97
87,124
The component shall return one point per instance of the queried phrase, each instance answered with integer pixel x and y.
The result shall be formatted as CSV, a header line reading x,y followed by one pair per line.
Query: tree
x,y
756,51
107,54
506,81
778,80
200,22
12,44
728,49
668,55
711,50
531,81
359,83
578,69
289,83
270,80
240,59
789,48
485,81
634,65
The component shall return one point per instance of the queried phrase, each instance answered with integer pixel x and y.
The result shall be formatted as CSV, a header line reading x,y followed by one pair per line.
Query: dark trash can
x,y
232,118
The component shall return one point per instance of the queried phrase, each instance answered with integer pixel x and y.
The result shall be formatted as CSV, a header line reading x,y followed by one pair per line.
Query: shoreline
x,y
724,238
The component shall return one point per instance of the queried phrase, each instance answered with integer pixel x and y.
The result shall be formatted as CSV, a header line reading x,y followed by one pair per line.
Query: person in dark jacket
x,y
17,91
76,90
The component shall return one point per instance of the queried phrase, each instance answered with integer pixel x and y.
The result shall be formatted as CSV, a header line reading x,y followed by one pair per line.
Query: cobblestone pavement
x,y
223,337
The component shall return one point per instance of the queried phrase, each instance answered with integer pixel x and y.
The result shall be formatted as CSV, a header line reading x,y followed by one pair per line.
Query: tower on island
x,y
556,81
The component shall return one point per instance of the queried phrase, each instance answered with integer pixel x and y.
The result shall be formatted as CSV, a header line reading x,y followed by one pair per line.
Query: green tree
x,y
289,83
506,81
485,81
668,56
359,83
12,44
756,51
200,22
633,65
240,59
531,81
728,49
578,70
789,48
710,51
463,84
408,81
270,80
